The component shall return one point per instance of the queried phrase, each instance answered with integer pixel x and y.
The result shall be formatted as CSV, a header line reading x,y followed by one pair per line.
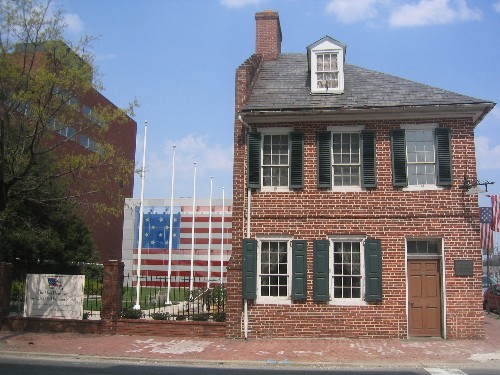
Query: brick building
x,y
348,215
84,123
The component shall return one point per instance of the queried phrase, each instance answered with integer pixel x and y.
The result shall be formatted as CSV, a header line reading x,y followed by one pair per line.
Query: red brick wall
x,y
386,213
169,328
268,35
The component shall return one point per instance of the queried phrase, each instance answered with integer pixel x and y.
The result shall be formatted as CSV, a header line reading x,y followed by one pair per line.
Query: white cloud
x,y
211,160
433,12
496,6
239,3
73,23
488,155
351,11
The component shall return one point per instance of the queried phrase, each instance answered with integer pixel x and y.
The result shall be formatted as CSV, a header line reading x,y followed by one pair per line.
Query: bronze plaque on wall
x,y
463,267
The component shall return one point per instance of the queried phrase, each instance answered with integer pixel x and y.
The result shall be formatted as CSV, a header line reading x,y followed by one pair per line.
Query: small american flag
x,y
485,219
495,205
54,282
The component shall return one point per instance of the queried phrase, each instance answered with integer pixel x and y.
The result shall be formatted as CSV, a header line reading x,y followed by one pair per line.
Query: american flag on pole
x,y
485,219
495,205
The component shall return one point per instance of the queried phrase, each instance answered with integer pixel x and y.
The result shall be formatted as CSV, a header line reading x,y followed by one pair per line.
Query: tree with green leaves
x,y
43,80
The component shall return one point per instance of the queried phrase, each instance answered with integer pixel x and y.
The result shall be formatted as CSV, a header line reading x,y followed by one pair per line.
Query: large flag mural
x,y
156,229
156,233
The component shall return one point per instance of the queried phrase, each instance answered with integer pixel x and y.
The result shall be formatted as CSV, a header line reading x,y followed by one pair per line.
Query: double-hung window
x,y
346,158
347,266
327,71
275,159
421,156
274,269
273,266
347,270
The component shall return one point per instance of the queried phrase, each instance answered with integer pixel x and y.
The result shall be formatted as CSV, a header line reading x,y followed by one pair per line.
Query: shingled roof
x,y
284,85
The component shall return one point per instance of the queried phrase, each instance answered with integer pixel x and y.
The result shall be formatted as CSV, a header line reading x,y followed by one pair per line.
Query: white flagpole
x,y
209,235
191,277
171,230
222,240
137,306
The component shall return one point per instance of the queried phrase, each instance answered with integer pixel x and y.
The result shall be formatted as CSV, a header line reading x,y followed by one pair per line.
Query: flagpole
x,y
137,306
191,278
209,235
171,230
222,241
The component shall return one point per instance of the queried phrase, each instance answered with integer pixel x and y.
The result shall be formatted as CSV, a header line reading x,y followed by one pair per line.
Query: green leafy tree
x,y
45,234
43,77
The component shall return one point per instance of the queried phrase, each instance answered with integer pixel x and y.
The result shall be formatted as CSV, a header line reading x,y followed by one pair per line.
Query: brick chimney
x,y
268,34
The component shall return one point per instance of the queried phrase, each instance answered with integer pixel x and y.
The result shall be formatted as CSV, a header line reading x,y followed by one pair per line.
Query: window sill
x,y
422,187
275,189
347,189
348,303
272,301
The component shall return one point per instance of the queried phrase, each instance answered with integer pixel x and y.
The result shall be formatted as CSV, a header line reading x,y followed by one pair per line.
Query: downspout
x,y
249,196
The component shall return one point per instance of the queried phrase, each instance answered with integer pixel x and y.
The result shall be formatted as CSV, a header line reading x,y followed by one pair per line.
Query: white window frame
x,y
324,48
346,129
425,127
283,300
347,301
273,131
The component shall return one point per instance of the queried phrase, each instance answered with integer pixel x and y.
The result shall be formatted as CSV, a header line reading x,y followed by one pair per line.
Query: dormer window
x,y
326,66
327,71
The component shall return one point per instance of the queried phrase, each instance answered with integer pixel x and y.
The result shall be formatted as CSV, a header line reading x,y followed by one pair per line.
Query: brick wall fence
x,y
110,322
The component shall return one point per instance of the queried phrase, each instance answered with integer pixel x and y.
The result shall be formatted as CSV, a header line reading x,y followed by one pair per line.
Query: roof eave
x,y
475,111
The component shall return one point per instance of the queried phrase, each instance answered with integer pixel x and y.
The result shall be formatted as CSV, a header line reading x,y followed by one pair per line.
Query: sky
x,y
178,59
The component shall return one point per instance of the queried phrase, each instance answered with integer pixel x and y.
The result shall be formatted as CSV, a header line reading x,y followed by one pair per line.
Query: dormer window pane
x,y
327,71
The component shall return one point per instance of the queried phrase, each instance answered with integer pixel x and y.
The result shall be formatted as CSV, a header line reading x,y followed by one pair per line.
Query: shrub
x,y
130,313
160,316
200,317
219,316
180,317
17,290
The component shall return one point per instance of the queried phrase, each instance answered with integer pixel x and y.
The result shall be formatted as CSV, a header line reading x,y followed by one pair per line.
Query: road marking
x,y
440,371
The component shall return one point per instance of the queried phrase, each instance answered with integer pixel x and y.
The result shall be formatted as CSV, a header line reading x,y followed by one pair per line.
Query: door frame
x,y
441,262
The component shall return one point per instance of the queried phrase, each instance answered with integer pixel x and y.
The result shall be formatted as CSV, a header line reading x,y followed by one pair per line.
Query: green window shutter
x,y
368,164
249,268
299,270
324,151
320,270
373,270
253,160
443,156
297,160
398,148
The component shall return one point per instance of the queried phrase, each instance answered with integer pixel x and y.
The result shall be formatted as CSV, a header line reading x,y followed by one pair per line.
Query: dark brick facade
x,y
386,212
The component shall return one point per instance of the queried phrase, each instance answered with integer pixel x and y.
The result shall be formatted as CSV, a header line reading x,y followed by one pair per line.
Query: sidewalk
x,y
323,352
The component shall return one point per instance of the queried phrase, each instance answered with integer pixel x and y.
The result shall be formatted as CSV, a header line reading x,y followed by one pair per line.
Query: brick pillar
x,y
6,272
111,295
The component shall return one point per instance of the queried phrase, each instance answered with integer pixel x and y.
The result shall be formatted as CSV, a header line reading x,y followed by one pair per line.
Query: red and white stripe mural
x,y
155,237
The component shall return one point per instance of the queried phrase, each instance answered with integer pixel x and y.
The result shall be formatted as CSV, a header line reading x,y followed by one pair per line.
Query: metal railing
x,y
185,304
198,304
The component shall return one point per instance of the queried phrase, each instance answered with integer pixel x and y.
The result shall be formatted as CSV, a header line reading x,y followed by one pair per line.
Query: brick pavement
x,y
334,352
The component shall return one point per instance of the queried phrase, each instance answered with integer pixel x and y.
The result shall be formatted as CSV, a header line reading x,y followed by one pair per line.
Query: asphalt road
x,y
56,366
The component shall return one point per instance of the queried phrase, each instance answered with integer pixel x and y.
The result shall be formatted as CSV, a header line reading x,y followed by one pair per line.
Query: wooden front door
x,y
424,302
